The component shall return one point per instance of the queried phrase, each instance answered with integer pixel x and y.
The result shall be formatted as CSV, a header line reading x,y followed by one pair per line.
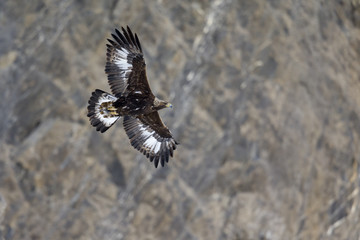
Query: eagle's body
x,y
132,99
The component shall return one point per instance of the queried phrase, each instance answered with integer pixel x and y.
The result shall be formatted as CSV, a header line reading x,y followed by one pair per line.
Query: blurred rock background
x,y
266,99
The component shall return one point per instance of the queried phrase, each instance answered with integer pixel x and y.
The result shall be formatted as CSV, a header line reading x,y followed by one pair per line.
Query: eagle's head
x,y
160,104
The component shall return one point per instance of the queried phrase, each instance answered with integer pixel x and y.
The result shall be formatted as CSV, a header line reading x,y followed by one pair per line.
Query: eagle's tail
x,y
101,112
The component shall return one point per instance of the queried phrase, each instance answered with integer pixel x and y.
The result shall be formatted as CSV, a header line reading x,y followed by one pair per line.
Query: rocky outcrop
x,y
266,108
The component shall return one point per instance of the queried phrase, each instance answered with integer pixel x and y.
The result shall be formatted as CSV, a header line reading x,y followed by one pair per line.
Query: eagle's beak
x,y
169,105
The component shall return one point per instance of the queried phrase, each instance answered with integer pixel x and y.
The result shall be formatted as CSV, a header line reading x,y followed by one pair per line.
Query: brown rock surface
x,y
266,99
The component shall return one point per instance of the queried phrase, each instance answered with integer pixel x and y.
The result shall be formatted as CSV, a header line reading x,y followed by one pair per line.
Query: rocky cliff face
x,y
266,99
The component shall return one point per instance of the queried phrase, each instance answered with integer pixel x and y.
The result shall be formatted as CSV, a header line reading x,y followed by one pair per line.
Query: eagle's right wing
x,y
125,64
149,135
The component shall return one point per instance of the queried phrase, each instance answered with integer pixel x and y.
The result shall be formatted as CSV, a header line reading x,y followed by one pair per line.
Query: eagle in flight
x,y
132,100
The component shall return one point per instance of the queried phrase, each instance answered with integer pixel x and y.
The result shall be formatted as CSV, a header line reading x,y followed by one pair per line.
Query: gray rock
x,y
266,108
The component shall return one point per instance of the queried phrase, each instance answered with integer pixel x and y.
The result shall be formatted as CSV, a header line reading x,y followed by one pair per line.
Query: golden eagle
x,y
132,99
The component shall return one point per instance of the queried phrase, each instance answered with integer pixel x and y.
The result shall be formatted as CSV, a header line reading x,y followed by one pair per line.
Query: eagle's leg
x,y
108,110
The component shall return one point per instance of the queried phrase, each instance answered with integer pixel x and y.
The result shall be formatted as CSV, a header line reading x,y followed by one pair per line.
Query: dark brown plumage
x,y
132,99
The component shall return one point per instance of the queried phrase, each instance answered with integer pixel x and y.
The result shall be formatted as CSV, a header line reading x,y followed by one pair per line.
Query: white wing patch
x,y
120,59
152,143
145,133
148,141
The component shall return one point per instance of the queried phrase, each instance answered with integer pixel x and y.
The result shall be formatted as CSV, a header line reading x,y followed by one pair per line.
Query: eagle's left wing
x,y
149,135
125,64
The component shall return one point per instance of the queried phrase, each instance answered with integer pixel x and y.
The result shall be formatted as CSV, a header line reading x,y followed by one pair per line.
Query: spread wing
x,y
125,64
149,135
